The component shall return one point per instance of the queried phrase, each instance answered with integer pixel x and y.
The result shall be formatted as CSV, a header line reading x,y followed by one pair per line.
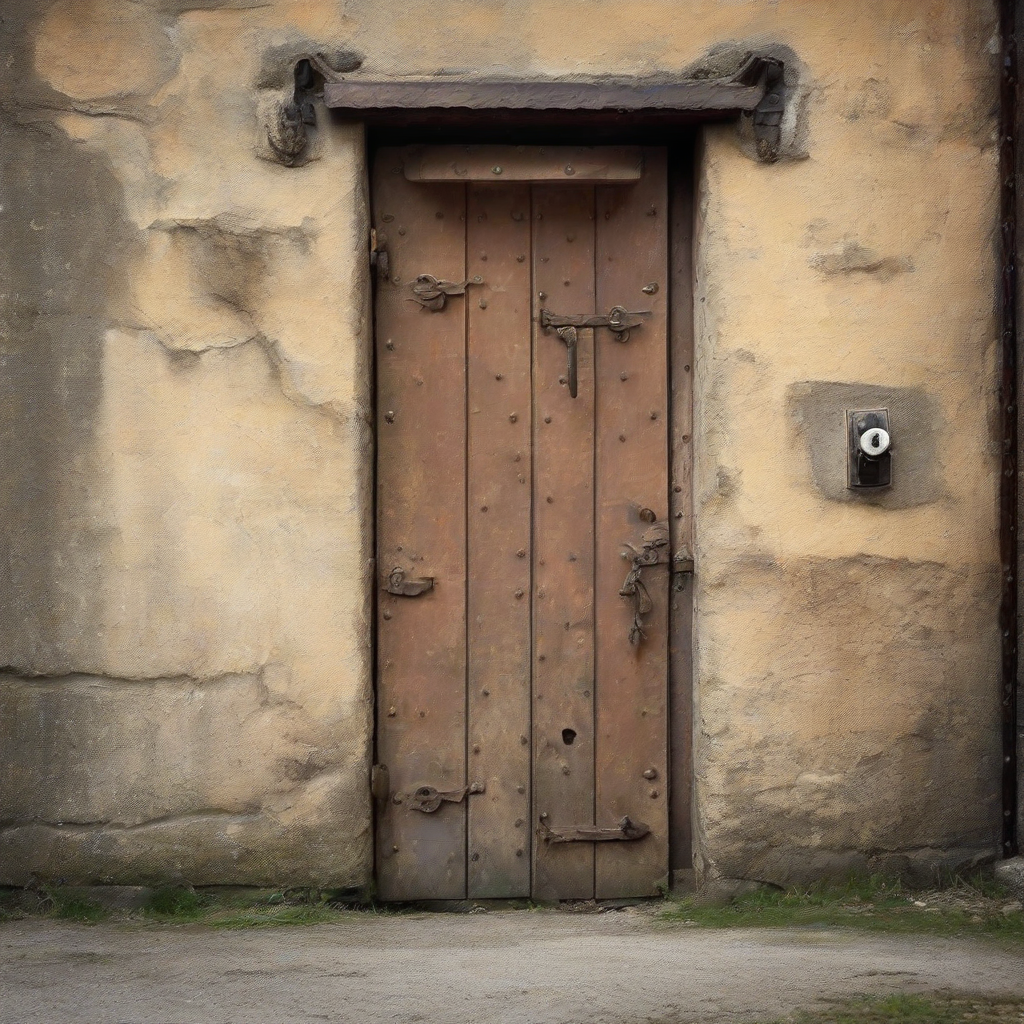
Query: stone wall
x,y
187,451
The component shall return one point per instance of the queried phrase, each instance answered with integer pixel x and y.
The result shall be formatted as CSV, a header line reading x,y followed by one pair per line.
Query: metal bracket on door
x,y
432,293
653,550
427,799
627,830
619,321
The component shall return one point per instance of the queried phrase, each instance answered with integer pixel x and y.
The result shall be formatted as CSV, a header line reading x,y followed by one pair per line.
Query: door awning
x,y
756,88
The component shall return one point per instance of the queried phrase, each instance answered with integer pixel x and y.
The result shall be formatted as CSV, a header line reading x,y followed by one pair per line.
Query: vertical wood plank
x,y
632,421
499,425
681,505
421,516
563,616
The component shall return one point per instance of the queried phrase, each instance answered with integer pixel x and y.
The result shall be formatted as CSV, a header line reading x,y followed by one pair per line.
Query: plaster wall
x,y
186,457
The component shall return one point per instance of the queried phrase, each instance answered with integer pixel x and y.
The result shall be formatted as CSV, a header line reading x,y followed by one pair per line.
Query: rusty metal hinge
x,y
427,799
653,550
401,585
626,830
380,782
432,293
379,255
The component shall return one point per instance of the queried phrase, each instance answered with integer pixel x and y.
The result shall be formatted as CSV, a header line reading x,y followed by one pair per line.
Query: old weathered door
x,y
523,506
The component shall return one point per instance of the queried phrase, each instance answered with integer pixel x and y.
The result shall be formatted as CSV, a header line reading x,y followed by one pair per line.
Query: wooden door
x,y
523,538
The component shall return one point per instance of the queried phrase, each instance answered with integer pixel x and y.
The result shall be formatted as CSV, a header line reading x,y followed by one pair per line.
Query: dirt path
x,y
522,967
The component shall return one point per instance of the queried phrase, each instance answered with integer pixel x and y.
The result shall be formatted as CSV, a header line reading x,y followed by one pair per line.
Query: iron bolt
x,y
387,614
496,169
653,794
392,712
513,418
651,773
547,419
521,553
569,169
519,594
390,416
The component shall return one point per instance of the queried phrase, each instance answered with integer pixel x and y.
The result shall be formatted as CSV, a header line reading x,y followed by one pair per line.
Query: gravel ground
x,y
533,967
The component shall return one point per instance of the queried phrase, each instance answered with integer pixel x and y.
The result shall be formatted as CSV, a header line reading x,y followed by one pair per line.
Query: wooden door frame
x,y
682,176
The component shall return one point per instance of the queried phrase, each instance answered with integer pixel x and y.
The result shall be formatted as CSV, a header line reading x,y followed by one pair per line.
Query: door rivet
x,y
521,553
483,303
389,345
397,798
622,437
543,815
547,419
679,515
394,849
677,489
562,380
513,418
569,169
519,594
524,741
654,414
542,657
623,376
519,822
390,416
396,280
520,259
650,289
476,856
686,437
401,231
653,794
387,614
476,748
483,508
520,789
392,712
651,773
542,295
499,376
551,500
496,169
519,853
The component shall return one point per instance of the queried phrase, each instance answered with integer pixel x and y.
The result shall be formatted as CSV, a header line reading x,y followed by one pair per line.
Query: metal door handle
x,y
407,586
432,293
427,799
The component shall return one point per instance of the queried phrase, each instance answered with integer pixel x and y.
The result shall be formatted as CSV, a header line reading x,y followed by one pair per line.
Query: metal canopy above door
x,y
522,534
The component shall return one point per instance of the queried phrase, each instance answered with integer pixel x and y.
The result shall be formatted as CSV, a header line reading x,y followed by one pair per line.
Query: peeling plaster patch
x,y
854,258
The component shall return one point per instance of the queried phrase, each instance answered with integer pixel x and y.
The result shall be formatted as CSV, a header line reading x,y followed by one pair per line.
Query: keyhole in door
x,y
568,736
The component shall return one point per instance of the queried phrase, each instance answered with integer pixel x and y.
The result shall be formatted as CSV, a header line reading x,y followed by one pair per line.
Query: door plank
x,y
563,613
499,368
632,420
421,515
681,504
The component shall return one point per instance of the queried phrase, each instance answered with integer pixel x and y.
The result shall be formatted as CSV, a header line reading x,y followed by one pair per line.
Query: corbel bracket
x,y
768,113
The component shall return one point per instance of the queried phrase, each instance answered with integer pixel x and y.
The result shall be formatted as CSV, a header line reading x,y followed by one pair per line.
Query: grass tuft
x,y
914,1009
875,904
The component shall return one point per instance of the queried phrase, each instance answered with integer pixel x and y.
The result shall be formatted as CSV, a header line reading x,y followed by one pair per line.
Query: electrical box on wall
x,y
869,447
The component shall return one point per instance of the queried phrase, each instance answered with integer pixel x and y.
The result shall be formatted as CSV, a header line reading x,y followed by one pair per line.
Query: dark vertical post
x,y
1008,504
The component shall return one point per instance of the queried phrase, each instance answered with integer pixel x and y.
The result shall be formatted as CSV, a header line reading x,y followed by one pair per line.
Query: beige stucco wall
x,y
186,457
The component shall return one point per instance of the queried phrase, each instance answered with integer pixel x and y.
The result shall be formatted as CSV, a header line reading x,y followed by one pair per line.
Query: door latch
x,y
432,293
407,586
427,799
627,830
653,550
619,321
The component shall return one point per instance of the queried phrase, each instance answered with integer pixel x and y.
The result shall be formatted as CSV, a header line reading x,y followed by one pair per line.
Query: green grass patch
x,y
875,904
914,1009
70,906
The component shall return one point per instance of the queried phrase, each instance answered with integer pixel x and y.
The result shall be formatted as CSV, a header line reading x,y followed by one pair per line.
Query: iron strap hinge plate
x,y
627,830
